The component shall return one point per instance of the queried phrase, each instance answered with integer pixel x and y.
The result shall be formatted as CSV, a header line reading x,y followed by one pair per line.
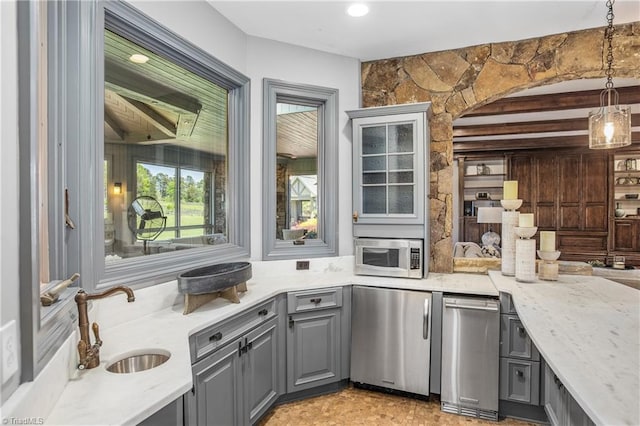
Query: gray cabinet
x,y
520,380
519,358
170,415
314,338
217,397
559,405
237,381
390,145
515,341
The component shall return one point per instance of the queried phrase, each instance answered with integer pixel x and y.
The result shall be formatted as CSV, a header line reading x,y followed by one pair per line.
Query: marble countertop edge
x,y
96,396
552,338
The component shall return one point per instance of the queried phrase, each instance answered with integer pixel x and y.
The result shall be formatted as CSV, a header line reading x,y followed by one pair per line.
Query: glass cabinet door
x,y
389,169
388,185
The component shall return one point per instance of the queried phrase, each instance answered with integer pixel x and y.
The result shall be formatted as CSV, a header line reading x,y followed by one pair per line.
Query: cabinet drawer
x,y
514,340
506,304
520,380
305,301
220,334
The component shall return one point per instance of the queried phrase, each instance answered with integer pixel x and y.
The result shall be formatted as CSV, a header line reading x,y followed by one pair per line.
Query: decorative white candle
x,y
510,190
525,220
547,241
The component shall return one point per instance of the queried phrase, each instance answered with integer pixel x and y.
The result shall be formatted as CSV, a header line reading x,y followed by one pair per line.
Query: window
x,y
183,196
84,169
173,123
299,170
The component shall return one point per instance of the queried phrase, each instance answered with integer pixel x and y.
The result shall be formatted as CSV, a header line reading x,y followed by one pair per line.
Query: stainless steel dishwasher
x,y
390,339
470,356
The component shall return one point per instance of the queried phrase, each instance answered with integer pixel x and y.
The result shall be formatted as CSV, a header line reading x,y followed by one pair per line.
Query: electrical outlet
x,y
8,352
302,265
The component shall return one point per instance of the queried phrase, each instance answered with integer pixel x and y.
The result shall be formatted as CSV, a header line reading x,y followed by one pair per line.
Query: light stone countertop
x,y
587,329
155,321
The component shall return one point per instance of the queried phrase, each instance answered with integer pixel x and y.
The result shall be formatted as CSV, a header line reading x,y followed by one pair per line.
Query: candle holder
x,y
509,221
525,254
511,204
548,269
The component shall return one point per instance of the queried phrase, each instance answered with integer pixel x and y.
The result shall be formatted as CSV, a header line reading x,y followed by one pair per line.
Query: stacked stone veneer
x,y
456,81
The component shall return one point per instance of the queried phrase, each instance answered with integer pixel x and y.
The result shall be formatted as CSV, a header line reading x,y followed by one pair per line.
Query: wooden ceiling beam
x,y
566,125
577,141
113,125
553,102
156,120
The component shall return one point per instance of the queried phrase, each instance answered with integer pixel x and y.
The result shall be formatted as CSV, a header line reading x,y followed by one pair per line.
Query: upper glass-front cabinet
x,y
389,164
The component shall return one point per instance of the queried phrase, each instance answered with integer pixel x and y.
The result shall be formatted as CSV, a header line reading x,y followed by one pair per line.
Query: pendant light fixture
x,y
609,126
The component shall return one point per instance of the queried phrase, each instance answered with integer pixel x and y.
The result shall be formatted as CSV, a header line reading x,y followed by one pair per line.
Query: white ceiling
x,y
402,28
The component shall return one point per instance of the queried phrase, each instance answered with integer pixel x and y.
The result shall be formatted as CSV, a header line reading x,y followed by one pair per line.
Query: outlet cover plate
x,y
302,265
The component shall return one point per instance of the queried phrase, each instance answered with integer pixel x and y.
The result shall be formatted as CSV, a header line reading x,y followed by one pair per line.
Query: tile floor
x,y
354,406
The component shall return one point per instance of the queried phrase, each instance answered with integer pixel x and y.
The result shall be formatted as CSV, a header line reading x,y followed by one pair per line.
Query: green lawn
x,y
192,214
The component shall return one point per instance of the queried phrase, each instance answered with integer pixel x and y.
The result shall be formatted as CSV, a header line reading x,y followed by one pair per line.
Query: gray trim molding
x,y
75,111
327,100
127,21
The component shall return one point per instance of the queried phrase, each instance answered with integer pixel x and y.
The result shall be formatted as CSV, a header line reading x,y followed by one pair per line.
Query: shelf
x,y
489,175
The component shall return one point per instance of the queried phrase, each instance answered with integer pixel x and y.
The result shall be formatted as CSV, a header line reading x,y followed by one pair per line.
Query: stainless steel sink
x,y
139,362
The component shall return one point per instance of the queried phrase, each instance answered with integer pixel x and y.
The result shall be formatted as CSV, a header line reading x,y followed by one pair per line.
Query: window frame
x,y
128,22
326,99
75,109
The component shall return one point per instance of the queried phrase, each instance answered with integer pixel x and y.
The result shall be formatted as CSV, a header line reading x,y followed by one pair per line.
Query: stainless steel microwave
x,y
389,257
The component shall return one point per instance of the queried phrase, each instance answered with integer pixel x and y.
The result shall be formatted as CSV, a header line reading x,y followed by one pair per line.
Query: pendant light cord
x,y
609,34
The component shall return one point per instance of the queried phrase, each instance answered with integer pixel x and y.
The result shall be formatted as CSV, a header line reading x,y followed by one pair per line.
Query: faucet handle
x,y
82,351
96,333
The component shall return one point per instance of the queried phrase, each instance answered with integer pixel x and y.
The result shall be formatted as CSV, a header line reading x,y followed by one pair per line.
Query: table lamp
x,y
490,215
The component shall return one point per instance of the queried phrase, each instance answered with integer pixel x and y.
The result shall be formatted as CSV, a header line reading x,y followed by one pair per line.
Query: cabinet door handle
x,y
291,321
355,216
519,373
425,320
239,349
521,329
216,337
263,312
316,300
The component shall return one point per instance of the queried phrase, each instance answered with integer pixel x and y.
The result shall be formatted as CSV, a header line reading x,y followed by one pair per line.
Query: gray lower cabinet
x,y
236,383
520,367
559,405
170,415
314,338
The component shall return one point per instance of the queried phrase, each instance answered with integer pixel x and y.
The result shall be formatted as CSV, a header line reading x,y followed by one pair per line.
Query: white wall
x,y
259,58
9,280
275,60
202,25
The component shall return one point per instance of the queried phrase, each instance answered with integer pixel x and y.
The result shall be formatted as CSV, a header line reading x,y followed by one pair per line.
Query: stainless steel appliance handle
x,y
425,320
376,250
477,308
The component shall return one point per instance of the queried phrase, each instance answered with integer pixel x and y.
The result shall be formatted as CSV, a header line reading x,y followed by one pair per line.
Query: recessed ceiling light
x,y
357,10
138,58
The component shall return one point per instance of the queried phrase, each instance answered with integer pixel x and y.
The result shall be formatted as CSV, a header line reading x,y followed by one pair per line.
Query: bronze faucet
x,y
90,354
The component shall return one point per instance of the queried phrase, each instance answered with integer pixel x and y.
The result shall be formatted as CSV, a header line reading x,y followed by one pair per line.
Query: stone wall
x,y
457,81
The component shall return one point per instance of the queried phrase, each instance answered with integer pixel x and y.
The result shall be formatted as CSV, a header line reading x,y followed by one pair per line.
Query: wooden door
x,y
625,235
